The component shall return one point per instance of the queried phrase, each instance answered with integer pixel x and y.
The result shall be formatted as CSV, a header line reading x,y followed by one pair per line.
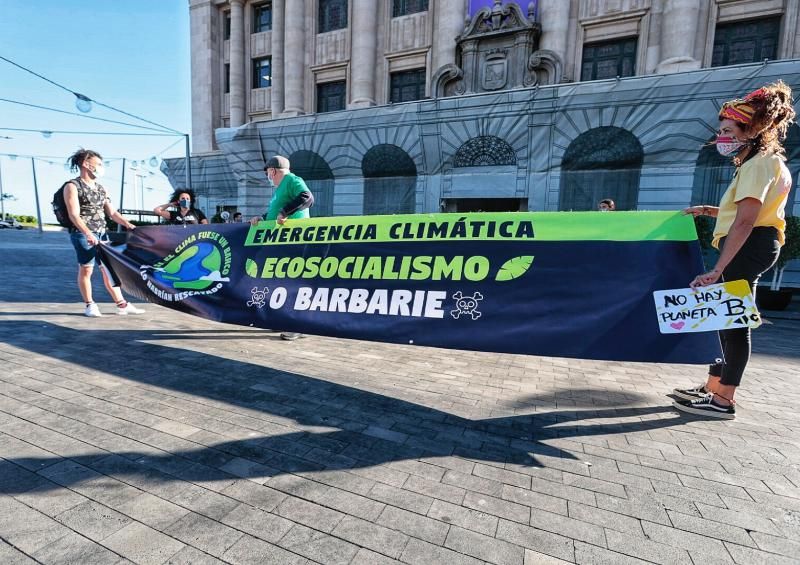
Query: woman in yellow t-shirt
x,y
750,227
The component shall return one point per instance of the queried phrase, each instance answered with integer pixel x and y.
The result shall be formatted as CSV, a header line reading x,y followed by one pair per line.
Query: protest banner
x,y
568,284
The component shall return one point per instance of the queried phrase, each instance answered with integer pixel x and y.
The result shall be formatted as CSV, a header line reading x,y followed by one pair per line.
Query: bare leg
x,y
724,394
85,282
712,384
114,291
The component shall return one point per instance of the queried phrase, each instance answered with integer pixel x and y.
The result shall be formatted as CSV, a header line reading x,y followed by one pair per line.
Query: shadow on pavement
x,y
356,428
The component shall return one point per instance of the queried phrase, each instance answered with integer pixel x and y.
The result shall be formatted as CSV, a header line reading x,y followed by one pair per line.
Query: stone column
x,y
678,31
237,78
449,24
294,58
554,16
363,58
276,68
206,89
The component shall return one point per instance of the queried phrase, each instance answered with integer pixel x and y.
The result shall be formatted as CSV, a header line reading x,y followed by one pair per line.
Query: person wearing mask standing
x,y
88,206
749,229
291,200
180,210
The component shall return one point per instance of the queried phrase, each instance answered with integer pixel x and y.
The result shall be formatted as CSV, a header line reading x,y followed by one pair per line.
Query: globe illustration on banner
x,y
195,268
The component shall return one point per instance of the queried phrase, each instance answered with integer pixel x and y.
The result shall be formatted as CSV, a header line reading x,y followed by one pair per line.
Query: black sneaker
x,y
693,393
706,407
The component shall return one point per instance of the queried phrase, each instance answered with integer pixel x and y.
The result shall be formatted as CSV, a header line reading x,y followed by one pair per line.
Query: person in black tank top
x,y
180,210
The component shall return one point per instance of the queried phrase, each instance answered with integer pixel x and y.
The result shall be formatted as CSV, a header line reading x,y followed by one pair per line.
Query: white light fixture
x,y
153,162
47,134
83,103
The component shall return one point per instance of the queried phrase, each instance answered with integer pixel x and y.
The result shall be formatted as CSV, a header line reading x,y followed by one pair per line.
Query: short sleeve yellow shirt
x,y
766,178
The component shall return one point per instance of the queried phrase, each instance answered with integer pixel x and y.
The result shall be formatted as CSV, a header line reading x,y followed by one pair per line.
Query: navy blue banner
x,y
568,285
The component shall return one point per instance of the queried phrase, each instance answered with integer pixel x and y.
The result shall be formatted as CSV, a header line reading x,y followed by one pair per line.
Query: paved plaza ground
x,y
165,438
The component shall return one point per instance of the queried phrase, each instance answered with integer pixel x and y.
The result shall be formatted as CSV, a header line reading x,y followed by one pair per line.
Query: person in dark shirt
x,y
180,210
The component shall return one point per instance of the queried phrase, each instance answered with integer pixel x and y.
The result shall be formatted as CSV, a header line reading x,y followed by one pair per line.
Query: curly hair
x,y
772,115
177,193
76,159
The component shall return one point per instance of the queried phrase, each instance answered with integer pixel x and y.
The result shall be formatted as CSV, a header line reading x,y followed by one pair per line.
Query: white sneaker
x,y
92,311
291,336
129,309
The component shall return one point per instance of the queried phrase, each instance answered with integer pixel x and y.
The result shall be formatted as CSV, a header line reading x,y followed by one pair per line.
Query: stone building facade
x,y
398,106
353,51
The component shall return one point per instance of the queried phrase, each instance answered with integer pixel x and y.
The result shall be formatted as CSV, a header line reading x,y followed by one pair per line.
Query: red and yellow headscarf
x,y
741,110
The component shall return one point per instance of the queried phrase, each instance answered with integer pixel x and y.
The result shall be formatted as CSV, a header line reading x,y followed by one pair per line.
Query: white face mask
x,y
728,145
97,171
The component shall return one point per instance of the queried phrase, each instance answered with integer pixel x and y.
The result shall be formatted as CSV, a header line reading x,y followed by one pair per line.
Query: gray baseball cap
x,y
277,162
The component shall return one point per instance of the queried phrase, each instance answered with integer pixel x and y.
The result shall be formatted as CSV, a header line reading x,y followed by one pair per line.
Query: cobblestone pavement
x,y
165,438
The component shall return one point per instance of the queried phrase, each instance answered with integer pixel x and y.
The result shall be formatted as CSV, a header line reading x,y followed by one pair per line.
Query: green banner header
x,y
504,226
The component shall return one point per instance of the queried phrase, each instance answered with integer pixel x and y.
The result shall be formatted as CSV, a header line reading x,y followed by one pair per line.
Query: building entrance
x,y
459,205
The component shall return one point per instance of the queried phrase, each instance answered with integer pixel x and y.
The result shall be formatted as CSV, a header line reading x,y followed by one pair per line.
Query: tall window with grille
x,y
609,59
331,96
407,86
262,17
262,72
332,15
406,7
750,41
227,78
226,29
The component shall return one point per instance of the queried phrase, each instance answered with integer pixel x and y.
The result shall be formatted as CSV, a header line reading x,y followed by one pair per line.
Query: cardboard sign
x,y
722,306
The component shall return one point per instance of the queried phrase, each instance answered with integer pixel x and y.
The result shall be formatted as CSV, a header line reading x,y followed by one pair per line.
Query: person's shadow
x,y
298,423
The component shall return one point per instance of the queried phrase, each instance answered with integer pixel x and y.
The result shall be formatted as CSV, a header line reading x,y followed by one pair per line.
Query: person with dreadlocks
x,y
749,230
88,205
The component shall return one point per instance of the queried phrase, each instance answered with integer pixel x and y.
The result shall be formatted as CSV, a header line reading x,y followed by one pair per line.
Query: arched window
x,y
485,150
712,175
390,181
319,178
604,162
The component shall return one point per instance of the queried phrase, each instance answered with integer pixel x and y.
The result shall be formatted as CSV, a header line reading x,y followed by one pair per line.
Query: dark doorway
x,y
459,205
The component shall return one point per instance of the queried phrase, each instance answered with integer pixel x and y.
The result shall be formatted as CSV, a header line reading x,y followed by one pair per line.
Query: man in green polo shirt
x,y
291,200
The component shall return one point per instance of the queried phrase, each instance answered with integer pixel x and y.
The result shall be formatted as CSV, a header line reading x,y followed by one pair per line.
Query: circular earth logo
x,y
195,267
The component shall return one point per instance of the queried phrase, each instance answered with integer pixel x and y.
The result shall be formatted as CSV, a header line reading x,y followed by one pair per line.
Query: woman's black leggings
x,y
757,255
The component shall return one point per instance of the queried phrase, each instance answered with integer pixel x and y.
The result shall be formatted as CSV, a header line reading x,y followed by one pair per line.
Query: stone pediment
x,y
498,50
500,19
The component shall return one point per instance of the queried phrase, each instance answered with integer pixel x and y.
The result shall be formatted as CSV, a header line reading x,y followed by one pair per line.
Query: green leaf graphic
x,y
514,268
251,268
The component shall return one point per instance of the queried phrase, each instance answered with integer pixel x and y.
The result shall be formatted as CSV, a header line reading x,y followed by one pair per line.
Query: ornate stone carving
x,y
448,81
544,67
495,52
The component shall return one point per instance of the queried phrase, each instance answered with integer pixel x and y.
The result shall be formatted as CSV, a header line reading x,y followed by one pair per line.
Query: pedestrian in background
x,y
606,205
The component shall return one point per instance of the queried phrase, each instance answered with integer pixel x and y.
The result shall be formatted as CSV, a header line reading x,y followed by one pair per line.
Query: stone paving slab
x,y
165,438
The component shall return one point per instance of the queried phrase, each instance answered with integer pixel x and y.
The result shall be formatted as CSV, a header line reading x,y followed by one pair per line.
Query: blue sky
x,y
130,54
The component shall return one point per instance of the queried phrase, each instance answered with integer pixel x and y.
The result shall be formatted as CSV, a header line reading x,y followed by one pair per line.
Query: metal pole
x,y
2,195
188,163
36,195
121,192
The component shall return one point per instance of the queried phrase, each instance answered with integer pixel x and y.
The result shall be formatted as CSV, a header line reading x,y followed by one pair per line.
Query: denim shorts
x,y
86,253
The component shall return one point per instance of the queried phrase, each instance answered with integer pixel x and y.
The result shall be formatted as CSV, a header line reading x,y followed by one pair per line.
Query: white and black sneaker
x,y
693,393
706,407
